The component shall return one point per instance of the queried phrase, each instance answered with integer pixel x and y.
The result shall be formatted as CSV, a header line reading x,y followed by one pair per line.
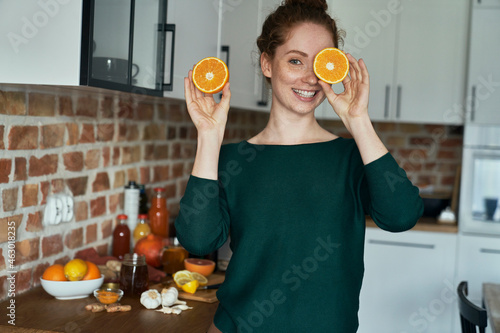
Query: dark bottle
x,y
134,277
121,238
143,200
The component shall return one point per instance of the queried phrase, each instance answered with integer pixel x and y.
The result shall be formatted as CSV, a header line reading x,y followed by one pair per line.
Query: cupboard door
x,y
431,60
483,95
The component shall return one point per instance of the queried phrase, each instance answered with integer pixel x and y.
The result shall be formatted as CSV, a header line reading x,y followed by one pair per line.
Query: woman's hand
x,y
208,116
352,103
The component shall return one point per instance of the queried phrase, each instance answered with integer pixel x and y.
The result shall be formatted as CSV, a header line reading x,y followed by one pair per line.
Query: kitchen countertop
x,y
37,311
491,296
424,224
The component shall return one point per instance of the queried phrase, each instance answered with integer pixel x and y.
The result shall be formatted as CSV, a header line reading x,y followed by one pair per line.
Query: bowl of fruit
x,y
75,279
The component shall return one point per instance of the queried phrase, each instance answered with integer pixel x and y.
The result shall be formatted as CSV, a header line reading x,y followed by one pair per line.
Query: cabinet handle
x,y
166,86
473,104
490,251
225,48
398,109
405,244
386,104
264,94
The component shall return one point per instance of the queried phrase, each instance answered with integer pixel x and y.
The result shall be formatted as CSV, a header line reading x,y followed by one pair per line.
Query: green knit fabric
x,y
296,219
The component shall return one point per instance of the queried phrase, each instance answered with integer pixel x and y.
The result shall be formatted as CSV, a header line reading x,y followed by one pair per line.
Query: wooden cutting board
x,y
206,295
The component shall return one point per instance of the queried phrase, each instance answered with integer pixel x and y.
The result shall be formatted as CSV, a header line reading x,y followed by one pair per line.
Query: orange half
x,y
331,65
210,75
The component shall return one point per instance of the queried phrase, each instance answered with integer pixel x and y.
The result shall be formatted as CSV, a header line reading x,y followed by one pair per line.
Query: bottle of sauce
x,y
158,213
121,238
131,204
134,277
142,229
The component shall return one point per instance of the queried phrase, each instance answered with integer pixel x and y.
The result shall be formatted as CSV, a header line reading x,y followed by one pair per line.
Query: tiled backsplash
x,y
89,143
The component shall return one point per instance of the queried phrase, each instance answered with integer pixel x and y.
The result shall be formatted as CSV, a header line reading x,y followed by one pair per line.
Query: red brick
x,y
73,161
73,134
74,239
145,111
41,105
87,107
132,133
66,106
7,224
161,152
131,154
38,273
175,113
98,207
92,159
5,168
9,198
57,185
162,111
175,151
101,182
170,191
116,155
171,133
149,153
45,165
13,103
107,105
107,229
119,179
34,222
52,245
154,132
115,201
448,180
87,135
44,189
23,280
160,173
20,170
27,250
81,210
2,261
447,154
125,109
30,195
106,153
102,250
105,132
77,186
52,136
144,175
91,233
4,287
2,144
188,150
452,143
177,170
23,137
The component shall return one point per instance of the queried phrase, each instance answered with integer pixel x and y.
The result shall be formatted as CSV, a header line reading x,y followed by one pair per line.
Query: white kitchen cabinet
x,y
196,37
241,25
483,93
415,52
486,3
409,283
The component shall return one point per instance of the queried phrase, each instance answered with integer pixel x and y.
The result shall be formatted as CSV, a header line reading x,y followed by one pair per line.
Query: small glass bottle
x,y
143,200
158,213
121,238
134,277
142,229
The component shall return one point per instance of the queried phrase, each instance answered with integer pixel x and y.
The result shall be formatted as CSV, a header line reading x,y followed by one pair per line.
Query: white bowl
x,y
71,289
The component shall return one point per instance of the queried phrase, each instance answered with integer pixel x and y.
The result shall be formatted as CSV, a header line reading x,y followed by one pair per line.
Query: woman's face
x,y
294,85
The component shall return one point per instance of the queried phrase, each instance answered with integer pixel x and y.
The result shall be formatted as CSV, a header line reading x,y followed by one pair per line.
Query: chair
x,y
471,315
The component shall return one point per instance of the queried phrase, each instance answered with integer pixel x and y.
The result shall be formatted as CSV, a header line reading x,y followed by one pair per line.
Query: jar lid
x,y
122,217
159,189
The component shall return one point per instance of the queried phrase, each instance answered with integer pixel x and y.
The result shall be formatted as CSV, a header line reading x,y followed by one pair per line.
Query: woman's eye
x,y
295,62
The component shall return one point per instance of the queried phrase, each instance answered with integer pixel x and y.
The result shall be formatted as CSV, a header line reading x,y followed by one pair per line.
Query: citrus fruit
x,y
200,278
210,75
54,273
75,269
203,266
182,277
191,286
93,272
331,65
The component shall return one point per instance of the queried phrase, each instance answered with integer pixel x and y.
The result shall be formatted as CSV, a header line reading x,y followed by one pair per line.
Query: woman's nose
x,y
310,77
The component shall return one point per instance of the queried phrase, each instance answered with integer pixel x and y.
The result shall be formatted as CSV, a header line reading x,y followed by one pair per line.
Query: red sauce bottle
x,y
121,238
158,213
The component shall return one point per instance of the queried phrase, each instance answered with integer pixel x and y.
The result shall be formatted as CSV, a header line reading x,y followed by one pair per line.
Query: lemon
x,y
191,286
200,278
75,269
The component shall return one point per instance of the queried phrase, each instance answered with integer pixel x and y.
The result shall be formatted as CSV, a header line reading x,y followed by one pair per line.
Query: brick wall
x,y
89,143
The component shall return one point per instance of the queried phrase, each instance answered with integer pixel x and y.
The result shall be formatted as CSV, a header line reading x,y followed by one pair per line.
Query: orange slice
x,y
210,75
331,65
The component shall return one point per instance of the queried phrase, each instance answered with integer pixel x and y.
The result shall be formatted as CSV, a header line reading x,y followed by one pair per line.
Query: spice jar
x,y
134,278
173,257
158,213
142,229
121,238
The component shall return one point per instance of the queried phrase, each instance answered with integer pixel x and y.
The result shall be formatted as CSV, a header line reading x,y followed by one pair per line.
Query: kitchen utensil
x,y
112,69
71,289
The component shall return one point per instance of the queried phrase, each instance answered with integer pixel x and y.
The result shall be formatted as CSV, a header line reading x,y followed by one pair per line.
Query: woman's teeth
x,y
304,93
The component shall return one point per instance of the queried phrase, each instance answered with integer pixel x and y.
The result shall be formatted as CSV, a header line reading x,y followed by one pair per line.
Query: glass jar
x,y
173,257
158,213
142,229
121,238
134,278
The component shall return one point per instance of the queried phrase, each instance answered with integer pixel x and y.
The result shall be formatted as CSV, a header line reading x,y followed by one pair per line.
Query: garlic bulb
x,y
151,299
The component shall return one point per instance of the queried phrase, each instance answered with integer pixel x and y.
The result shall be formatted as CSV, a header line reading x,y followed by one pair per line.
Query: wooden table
x,y
491,296
37,311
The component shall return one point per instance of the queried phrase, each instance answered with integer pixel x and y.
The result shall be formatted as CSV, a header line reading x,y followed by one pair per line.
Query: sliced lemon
x,y
191,286
182,274
200,278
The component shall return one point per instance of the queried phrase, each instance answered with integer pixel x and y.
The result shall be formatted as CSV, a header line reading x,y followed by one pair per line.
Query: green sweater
x,y
296,219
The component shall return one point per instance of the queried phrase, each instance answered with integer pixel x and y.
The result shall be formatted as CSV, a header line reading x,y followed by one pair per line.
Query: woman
x,y
294,197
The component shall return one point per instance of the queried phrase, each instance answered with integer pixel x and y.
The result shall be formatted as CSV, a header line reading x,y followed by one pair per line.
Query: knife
x,y
213,286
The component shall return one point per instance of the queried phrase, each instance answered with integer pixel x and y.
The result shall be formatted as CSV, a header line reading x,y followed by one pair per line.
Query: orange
x,y
203,266
75,269
210,75
331,65
54,273
93,272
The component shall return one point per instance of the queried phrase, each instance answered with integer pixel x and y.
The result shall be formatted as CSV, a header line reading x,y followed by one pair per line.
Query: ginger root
x,y
95,307
117,307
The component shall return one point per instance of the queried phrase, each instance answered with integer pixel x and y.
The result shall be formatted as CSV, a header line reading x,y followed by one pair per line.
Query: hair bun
x,y
320,4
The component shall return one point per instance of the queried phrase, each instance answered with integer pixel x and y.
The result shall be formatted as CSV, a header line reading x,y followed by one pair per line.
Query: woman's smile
x,y
307,94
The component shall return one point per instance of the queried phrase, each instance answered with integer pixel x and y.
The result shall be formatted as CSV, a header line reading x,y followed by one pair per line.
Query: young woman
x,y
293,198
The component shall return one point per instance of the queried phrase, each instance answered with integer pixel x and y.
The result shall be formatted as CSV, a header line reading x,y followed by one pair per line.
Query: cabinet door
x,y
40,42
483,95
409,282
431,61
196,37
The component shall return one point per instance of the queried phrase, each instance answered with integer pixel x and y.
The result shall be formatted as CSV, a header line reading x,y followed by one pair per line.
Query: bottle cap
x,y
132,184
143,216
122,217
159,189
